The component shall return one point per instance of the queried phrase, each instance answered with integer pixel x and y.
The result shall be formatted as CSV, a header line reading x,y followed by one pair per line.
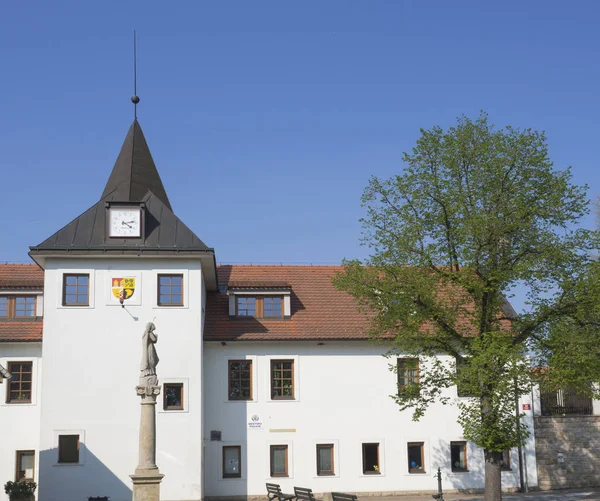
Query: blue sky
x,y
266,119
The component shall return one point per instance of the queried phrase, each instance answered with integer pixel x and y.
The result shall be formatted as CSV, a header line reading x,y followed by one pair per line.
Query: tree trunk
x,y
493,476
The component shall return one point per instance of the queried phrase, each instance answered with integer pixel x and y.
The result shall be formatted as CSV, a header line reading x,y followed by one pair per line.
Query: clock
x,y
124,222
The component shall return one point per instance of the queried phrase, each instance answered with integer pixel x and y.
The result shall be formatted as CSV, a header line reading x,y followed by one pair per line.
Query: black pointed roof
x,y
134,173
134,178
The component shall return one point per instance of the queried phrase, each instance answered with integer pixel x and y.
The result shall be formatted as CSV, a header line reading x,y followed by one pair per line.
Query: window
x,y
282,379
19,386
279,460
370,457
17,306
325,459
408,371
259,306
232,461
240,380
458,456
170,290
505,461
416,457
68,449
76,290
25,465
173,397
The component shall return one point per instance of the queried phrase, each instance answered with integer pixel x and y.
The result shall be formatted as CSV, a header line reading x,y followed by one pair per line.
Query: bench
x,y
274,492
340,496
303,494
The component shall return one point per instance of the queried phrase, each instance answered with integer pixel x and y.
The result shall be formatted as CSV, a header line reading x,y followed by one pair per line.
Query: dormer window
x,y
270,301
259,306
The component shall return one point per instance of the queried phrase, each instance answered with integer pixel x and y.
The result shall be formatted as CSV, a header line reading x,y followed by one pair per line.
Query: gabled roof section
x,y
164,231
319,311
134,173
21,276
134,179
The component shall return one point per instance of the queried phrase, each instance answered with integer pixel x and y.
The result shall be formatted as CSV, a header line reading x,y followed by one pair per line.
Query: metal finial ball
x,y
135,100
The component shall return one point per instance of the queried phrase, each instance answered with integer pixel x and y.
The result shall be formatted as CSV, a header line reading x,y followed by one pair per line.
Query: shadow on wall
x,y
77,482
461,481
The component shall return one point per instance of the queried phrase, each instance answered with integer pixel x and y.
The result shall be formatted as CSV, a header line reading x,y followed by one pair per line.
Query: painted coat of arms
x,y
123,288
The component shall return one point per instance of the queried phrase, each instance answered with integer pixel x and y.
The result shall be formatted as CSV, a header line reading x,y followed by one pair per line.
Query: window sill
x,y
417,472
461,470
68,464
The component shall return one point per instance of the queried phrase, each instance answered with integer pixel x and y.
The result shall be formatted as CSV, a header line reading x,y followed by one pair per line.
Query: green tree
x,y
476,213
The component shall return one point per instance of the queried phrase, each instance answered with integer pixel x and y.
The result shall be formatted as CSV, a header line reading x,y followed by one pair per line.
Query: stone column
x,y
147,477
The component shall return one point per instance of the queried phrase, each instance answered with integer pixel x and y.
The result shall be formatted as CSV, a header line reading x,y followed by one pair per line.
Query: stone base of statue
x,y
147,478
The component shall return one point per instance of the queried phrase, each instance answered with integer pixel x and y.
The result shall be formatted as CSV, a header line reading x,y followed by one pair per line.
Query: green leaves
x,y
475,213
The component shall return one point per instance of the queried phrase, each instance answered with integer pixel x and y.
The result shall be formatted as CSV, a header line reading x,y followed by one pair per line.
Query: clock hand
x,y
123,223
131,222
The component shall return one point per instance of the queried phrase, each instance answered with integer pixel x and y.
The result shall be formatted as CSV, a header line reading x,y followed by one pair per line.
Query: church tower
x,y
125,261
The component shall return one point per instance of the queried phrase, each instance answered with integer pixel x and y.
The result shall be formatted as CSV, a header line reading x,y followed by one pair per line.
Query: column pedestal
x,y
147,477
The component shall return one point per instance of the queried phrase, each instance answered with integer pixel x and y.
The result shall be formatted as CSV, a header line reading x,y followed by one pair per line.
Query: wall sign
x,y
255,422
560,457
123,288
526,407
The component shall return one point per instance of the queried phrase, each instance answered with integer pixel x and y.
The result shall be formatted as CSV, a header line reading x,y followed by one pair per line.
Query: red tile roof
x,y
21,331
319,310
21,276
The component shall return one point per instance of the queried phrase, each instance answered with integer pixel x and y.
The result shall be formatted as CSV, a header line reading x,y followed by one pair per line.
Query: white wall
x,y
19,423
91,362
342,397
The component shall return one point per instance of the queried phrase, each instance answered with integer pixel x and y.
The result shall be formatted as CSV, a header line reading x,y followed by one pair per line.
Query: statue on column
x,y
149,357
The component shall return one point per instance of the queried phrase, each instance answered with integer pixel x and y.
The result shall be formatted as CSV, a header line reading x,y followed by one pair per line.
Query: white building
x,y
267,373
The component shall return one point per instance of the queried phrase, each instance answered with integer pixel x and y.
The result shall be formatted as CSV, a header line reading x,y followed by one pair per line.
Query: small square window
x,y
24,306
240,379
458,456
370,457
246,306
76,290
173,397
232,461
3,306
416,457
282,379
19,386
170,290
25,466
272,307
279,461
68,449
325,459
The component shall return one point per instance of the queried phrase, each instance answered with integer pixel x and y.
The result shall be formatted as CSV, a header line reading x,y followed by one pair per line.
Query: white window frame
x,y
185,290
34,379
243,459
267,378
225,378
81,434
186,395
336,457
381,442
91,288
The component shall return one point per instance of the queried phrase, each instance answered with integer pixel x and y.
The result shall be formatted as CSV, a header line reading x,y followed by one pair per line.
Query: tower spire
x,y
135,99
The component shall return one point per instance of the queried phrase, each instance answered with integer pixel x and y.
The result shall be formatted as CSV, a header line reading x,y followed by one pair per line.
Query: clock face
x,y
125,222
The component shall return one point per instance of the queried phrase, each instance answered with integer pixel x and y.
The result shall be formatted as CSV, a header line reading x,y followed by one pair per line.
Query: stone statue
x,y
149,357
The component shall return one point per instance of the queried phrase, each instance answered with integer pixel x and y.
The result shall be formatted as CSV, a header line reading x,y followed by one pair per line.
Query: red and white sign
x,y
526,407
